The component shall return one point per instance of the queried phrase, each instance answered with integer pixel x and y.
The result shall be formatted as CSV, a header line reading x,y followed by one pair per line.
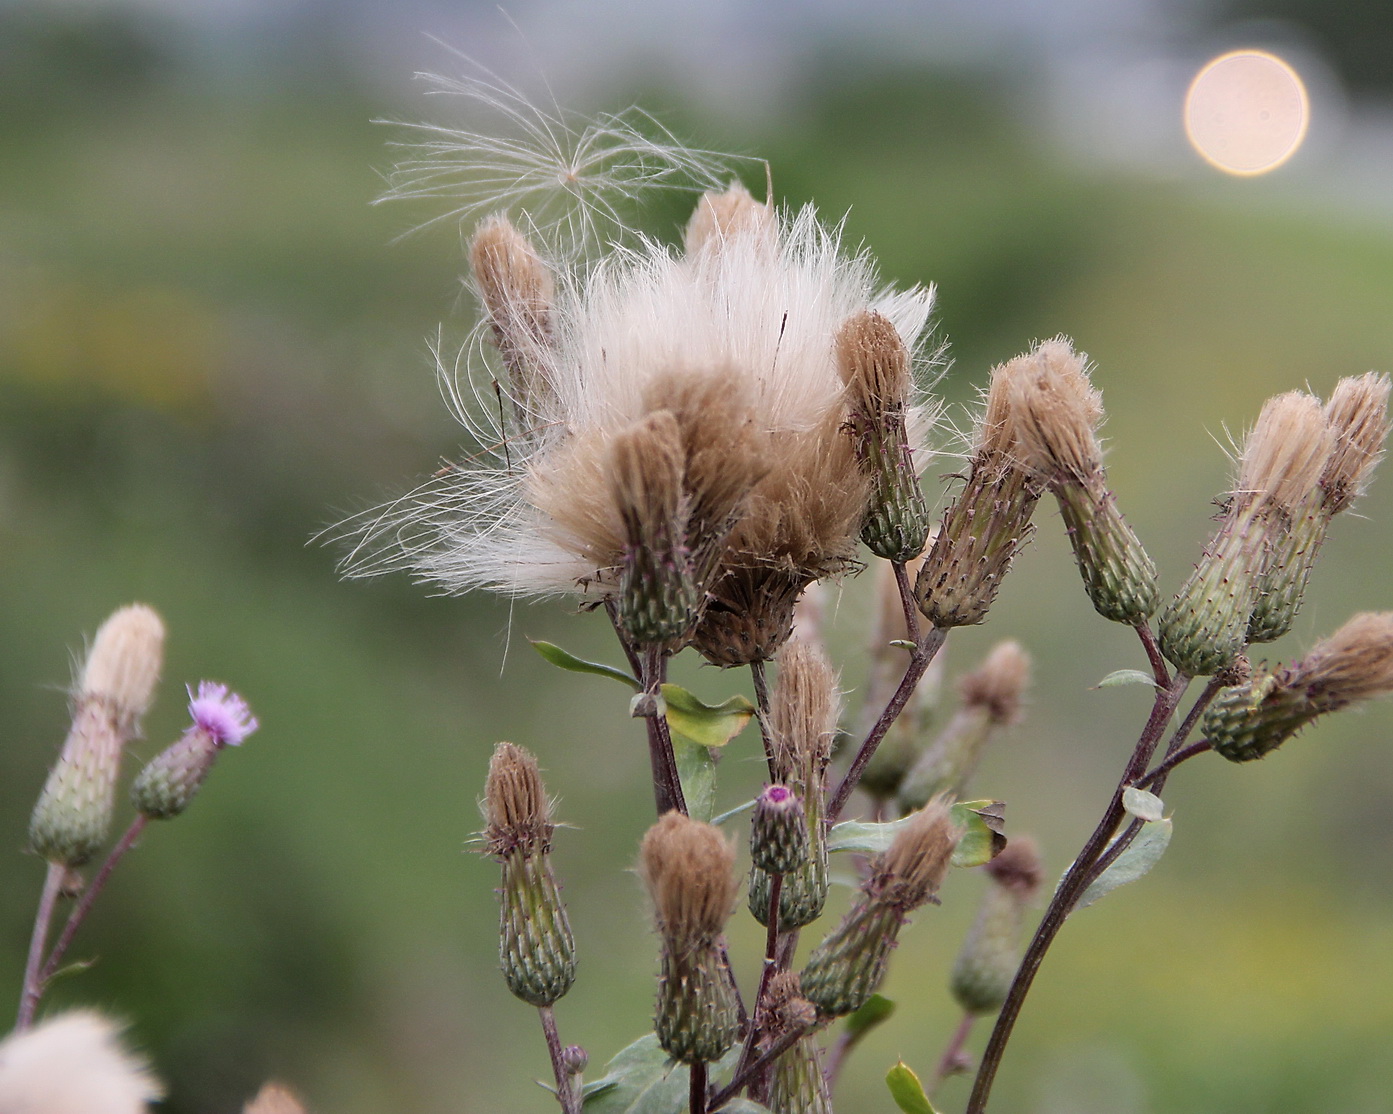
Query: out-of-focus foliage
x,y
211,346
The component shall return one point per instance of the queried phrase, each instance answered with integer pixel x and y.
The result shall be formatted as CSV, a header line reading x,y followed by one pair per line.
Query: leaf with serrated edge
x,y
1126,677
643,1079
568,661
1141,804
981,842
710,725
907,1091
1144,853
696,768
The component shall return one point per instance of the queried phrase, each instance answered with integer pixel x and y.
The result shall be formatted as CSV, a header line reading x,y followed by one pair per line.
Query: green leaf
x,y
1141,804
568,661
1126,677
876,1010
1144,853
643,1079
907,1091
696,767
710,725
982,837
732,813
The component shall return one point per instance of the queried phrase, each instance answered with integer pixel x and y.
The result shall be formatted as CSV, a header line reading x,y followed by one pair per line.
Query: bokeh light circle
x,y
1246,112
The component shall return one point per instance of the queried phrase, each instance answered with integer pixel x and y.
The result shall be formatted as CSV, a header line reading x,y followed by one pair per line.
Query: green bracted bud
x,y
166,786
991,952
849,965
1288,572
73,814
658,598
698,1016
802,895
779,831
536,949
798,1084
1118,575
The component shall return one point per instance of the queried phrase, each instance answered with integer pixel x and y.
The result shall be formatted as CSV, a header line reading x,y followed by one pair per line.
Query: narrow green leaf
x,y
696,767
902,643
732,813
907,1091
710,725
1144,853
982,837
1141,804
1126,677
568,661
643,1079
876,1010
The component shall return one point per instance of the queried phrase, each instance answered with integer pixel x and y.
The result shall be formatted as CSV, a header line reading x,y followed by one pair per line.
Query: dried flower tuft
x,y
73,1064
275,1098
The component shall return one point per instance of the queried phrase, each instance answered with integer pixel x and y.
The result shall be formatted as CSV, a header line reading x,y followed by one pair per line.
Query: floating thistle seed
x,y
1058,413
536,949
73,1063
1352,665
1357,418
688,868
989,700
169,781
874,363
849,965
797,1084
117,684
1205,627
989,520
803,713
991,952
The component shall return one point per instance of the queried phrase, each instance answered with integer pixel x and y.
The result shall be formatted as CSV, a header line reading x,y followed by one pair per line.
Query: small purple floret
x,y
777,794
221,713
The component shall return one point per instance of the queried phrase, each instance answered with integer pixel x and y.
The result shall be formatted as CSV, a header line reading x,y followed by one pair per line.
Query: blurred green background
x,y
212,346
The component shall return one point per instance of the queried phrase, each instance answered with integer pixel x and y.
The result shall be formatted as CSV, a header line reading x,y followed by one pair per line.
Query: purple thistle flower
x,y
221,713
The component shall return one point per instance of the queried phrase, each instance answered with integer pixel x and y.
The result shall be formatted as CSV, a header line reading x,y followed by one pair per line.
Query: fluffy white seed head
x,y
73,1064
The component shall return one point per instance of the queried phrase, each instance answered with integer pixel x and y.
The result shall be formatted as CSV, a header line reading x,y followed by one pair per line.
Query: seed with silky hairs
x,y
689,870
991,953
1205,627
536,949
1058,412
1353,665
115,689
849,965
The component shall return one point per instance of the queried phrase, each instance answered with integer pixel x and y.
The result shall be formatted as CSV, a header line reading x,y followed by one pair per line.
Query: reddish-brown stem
x,y
34,980
954,1060
699,1088
761,686
90,895
667,784
1153,655
1070,887
1156,779
565,1086
767,1057
771,964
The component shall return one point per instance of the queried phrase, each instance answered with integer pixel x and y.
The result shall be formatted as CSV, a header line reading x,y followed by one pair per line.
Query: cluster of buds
x,y
536,949
991,952
849,965
797,1084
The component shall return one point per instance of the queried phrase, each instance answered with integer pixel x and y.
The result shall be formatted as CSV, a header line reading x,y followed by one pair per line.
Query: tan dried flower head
x,y
515,804
1056,411
999,683
721,217
874,363
1357,415
516,290
1353,664
1286,450
275,1098
914,866
803,712
689,869
123,665
1018,867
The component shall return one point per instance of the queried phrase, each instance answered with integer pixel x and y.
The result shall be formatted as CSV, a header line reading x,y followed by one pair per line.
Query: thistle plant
x,y
693,439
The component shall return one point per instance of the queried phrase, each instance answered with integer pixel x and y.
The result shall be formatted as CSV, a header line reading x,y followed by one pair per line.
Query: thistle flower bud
x,y
1352,665
803,717
989,701
797,1084
849,965
779,831
116,686
874,364
1357,419
720,217
275,1098
536,949
988,522
1205,627
991,952
73,1064
516,290
168,783
688,868
1058,413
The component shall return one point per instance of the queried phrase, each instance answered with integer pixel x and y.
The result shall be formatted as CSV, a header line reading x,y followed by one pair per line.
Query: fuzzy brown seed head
x,y
803,714
645,474
721,216
274,1098
786,1008
1357,415
689,869
1018,867
1057,411
515,804
1286,451
123,665
514,284
999,683
1353,664
914,866
874,364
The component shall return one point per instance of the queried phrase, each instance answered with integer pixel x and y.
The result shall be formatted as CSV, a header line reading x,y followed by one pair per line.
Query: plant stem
x,y
1160,773
565,1088
43,919
761,686
771,964
90,895
698,1075
667,784
1070,887
767,1057
1153,655
954,1059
